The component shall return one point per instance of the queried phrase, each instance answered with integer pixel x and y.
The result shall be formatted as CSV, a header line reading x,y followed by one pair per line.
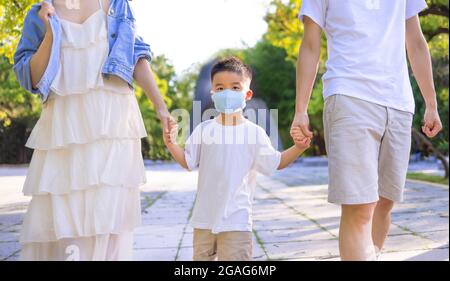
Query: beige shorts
x,y
225,246
368,147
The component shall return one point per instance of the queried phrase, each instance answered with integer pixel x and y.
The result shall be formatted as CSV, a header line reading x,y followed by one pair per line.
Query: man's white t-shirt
x,y
366,48
228,159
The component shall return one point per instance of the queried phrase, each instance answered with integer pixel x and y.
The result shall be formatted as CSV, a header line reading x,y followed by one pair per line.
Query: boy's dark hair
x,y
232,64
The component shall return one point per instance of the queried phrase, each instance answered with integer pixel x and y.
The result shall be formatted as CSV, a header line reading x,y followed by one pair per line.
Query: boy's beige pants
x,y
225,246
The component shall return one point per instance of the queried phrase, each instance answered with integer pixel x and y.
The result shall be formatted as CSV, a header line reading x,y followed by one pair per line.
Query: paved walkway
x,y
292,220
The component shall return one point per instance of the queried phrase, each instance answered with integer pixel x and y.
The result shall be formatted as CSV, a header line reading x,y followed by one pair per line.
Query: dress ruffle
x,y
81,119
105,210
88,166
102,247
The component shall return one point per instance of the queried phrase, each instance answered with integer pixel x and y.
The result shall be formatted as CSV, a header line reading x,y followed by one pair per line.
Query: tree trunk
x,y
427,146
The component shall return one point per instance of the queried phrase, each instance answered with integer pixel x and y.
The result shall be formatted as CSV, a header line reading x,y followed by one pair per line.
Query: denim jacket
x,y
125,47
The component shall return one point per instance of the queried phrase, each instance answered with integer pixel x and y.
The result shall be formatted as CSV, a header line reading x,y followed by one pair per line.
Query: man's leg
x,y
354,131
381,222
393,166
355,232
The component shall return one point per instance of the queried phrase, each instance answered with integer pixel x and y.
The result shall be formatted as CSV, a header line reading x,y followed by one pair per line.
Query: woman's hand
x,y
46,11
170,136
165,118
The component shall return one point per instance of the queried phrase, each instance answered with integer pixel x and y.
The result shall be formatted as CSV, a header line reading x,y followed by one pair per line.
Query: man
x,y
369,107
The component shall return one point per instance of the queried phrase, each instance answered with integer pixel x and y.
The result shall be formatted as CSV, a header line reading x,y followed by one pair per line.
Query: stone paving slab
x,y
420,225
292,219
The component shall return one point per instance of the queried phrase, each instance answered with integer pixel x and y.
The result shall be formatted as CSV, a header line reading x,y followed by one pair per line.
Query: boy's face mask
x,y
229,101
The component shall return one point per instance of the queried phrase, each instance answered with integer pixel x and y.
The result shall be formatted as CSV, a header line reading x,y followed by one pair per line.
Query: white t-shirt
x,y
228,158
366,48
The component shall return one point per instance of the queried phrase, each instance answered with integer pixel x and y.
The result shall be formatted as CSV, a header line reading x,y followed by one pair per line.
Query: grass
x,y
428,178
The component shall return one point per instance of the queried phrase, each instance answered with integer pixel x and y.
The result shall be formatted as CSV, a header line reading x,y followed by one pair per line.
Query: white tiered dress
x,y
87,166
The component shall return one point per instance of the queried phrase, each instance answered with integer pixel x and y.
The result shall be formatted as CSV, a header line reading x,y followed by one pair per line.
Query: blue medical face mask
x,y
229,101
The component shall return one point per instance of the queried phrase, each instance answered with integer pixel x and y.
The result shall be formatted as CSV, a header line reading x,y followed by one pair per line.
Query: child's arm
x,y
175,150
301,145
290,155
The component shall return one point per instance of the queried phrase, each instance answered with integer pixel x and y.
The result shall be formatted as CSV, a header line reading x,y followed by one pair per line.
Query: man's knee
x,y
384,206
358,214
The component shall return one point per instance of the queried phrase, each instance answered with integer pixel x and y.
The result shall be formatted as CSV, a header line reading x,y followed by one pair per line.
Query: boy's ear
x,y
249,95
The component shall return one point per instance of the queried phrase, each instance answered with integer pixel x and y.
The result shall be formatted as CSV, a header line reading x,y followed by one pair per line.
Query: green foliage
x,y
11,21
19,112
275,84
286,31
428,178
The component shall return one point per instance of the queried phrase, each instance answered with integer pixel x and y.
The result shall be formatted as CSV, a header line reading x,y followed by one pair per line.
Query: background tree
x,y
19,111
12,14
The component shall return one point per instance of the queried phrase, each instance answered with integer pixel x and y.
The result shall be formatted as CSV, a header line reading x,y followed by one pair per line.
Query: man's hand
x,y
301,122
301,142
432,124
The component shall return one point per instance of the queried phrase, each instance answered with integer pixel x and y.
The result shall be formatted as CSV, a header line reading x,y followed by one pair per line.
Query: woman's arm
x,y
39,61
144,78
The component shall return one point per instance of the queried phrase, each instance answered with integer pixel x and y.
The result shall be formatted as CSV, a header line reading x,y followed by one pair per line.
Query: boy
x,y
228,151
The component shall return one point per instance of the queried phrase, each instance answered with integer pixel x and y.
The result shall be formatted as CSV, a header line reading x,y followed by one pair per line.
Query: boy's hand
x,y
299,139
170,136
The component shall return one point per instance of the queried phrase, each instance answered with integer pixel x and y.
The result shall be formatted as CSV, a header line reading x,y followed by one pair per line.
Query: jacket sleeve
x,y
141,50
32,35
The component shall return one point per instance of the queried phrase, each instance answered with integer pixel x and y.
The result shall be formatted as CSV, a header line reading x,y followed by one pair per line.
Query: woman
x,y
87,165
